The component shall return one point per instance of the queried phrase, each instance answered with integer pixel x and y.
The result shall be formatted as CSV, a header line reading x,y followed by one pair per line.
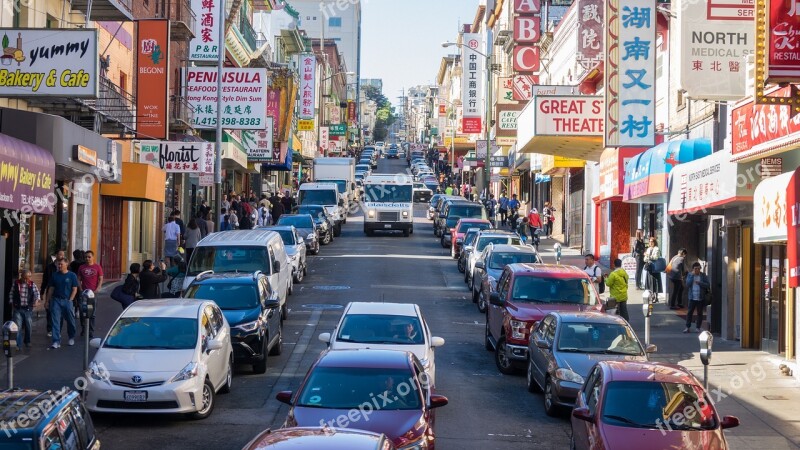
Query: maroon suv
x,y
525,294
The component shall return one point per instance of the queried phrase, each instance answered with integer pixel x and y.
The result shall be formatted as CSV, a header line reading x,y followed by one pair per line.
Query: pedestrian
x,y
263,219
210,223
150,278
245,219
78,258
252,197
698,286
177,274
172,238
474,193
225,203
448,190
524,230
548,217
535,220
201,223
234,204
491,207
49,270
264,201
617,282
288,202
182,226
277,211
90,276
130,288
513,207
224,220
676,271
651,255
233,220
24,296
638,252
503,209
63,289
193,236
594,271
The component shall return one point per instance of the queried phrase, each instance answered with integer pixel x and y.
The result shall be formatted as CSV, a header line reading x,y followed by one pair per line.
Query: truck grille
x,y
388,216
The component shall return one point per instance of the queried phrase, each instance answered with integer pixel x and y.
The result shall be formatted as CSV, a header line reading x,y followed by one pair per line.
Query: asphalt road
x,y
486,409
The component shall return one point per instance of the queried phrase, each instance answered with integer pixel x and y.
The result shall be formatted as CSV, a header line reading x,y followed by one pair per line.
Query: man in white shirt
x,y
593,270
172,235
263,217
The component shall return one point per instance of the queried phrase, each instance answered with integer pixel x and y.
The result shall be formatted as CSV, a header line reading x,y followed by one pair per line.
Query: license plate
x,y
387,225
135,396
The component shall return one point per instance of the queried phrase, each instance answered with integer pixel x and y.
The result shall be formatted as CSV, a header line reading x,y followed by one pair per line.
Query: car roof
x,y
508,248
245,238
550,270
391,309
315,438
185,308
296,215
646,371
491,232
282,227
15,403
588,316
226,277
365,358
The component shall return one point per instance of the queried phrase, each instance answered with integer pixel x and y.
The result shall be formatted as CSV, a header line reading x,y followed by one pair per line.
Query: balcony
x,y
181,114
182,20
248,33
115,10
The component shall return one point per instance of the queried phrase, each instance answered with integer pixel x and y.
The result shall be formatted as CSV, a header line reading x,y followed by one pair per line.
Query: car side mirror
x,y
300,240
438,401
541,343
436,341
213,344
273,302
652,348
480,265
284,397
325,337
276,266
494,299
583,414
729,422
95,343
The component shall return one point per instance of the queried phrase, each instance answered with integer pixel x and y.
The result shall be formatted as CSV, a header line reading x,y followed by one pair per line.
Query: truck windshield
x,y
341,185
388,193
317,197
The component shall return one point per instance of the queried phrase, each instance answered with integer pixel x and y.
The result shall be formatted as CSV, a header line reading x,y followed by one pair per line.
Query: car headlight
x,y
518,329
420,443
405,213
249,326
187,373
371,213
568,375
311,236
97,372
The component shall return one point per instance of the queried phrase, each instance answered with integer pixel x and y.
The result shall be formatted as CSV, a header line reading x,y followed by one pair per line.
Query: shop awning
x,y
144,182
776,207
559,165
285,164
647,174
27,176
712,182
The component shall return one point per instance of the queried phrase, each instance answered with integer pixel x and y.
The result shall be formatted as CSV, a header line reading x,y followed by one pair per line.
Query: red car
x,y
457,237
382,391
525,293
314,438
646,405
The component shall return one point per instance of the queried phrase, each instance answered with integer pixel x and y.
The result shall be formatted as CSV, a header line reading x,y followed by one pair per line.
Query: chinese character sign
x,y
205,43
590,33
472,81
274,108
783,37
630,73
178,157
244,97
259,144
308,70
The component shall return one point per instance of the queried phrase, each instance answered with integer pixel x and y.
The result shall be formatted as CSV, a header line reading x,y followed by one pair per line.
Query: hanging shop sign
x,y
351,112
305,125
472,83
761,130
27,173
152,79
308,73
612,171
793,231
590,33
205,44
244,97
568,115
259,144
783,41
178,156
338,129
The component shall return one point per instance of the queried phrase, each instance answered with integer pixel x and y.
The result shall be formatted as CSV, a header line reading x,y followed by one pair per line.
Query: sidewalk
x,y
744,383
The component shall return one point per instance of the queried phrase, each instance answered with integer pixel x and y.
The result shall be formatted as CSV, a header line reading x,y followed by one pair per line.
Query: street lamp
x,y
488,108
322,108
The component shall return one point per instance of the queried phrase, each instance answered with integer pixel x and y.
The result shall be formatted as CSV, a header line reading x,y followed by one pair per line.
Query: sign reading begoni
x,y
152,78
38,62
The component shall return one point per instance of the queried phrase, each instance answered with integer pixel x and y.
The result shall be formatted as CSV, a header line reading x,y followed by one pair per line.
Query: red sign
x,y
442,109
351,111
527,29
590,33
522,86
784,41
471,125
793,233
274,110
527,6
152,77
754,125
526,59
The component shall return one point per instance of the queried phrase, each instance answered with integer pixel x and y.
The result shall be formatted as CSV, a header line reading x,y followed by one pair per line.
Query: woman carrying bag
x,y
128,292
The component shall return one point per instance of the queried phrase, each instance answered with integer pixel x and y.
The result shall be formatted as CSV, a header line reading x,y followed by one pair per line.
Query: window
x,y
592,391
123,81
334,21
52,22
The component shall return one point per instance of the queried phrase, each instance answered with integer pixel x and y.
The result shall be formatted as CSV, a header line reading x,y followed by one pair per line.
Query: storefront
x,y
566,196
615,228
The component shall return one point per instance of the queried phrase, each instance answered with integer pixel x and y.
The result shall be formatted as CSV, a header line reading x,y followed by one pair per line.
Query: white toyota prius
x,y
162,356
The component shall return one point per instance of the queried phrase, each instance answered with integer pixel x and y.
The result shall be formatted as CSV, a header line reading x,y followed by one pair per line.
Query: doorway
x,y
111,238
773,299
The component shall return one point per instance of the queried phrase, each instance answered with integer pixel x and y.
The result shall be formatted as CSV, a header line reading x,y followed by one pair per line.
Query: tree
x,y
385,115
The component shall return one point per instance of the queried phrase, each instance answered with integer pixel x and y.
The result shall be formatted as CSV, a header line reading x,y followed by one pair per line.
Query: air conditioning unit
x,y
750,80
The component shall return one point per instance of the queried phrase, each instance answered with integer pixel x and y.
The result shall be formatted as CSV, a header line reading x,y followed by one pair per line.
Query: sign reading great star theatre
x,y
244,97
178,157
472,81
49,62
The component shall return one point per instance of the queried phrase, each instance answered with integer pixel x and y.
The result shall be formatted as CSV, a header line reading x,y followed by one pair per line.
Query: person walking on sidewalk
x,y
698,285
594,271
150,279
24,296
172,236
638,252
193,236
676,271
503,209
548,217
49,270
617,282
524,230
491,208
63,289
651,255
91,277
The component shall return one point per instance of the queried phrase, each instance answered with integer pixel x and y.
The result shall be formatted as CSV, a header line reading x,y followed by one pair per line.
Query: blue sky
x,y
401,40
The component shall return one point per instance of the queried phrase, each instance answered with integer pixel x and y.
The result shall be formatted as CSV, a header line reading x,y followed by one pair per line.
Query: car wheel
x,y
298,276
260,366
482,304
466,275
315,249
406,233
504,364
549,404
226,388
331,234
290,288
337,230
475,296
461,264
206,402
443,241
284,312
277,349
326,239
487,343
532,386
411,230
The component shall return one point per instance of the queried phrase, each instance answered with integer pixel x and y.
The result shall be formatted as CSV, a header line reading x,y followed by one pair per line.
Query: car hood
x,y
531,312
394,424
494,273
582,363
239,316
624,437
420,351
305,231
291,250
144,361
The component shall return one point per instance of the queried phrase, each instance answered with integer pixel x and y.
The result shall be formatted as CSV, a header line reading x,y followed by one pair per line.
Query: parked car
x,y
162,356
432,208
341,380
421,193
646,405
386,326
565,345
252,310
296,251
45,420
304,224
455,210
467,247
490,264
485,238
439,208
323,223
315,438
525,293
460,229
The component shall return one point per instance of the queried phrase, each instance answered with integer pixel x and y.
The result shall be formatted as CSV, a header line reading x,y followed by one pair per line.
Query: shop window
x,y
123,81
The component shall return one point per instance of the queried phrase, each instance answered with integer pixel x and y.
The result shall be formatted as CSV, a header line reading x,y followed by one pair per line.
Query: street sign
x,y
305,125
338,129
498,161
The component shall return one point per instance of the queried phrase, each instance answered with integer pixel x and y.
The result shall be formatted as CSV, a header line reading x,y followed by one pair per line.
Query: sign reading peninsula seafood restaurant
x,y
244,97
55,62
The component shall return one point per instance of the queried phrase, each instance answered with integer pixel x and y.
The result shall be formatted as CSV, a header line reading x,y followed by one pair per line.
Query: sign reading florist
x,y
49,62
178,157
472,81
244,97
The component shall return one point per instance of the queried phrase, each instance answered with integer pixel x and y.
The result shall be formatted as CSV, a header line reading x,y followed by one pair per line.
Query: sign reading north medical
x,y
244,97
39,62
204,46
572,115
472,82
178,157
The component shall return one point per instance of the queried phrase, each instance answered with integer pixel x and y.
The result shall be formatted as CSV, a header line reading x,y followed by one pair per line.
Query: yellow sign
x,y
550,162
305,125
448,141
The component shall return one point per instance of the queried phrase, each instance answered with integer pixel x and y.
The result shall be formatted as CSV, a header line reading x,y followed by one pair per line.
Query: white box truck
x,y
388,204
324,194
341,172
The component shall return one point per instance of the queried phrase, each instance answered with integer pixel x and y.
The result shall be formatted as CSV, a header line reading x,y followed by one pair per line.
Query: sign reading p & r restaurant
x,y
48,62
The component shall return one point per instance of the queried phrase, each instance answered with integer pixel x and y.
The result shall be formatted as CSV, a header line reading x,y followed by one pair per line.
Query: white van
x,y
325,195
244,251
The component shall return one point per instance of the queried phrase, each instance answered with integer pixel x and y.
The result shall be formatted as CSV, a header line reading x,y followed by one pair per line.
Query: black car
x,y
251,308
322,221
304,224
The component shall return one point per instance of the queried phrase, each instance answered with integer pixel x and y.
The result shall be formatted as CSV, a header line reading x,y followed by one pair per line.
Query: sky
x,y
402,39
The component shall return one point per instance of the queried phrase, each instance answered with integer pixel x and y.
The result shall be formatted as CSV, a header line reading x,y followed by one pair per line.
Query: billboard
x,y
568,115
244,97
152,79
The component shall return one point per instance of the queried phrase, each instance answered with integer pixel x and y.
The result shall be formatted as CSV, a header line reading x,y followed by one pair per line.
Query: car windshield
x,y
467,225
313,211
226,295
500,260
419,186
471,211
153,333
605,338
287,236
469,238
297,221
228,259
651,404
381,329
553,290
341,185
486,240
347,388
401,193
317,197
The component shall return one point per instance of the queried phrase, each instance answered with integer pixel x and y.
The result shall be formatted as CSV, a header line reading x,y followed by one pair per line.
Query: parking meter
x,y
87,303
647,311
557,248
706,342
10,331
